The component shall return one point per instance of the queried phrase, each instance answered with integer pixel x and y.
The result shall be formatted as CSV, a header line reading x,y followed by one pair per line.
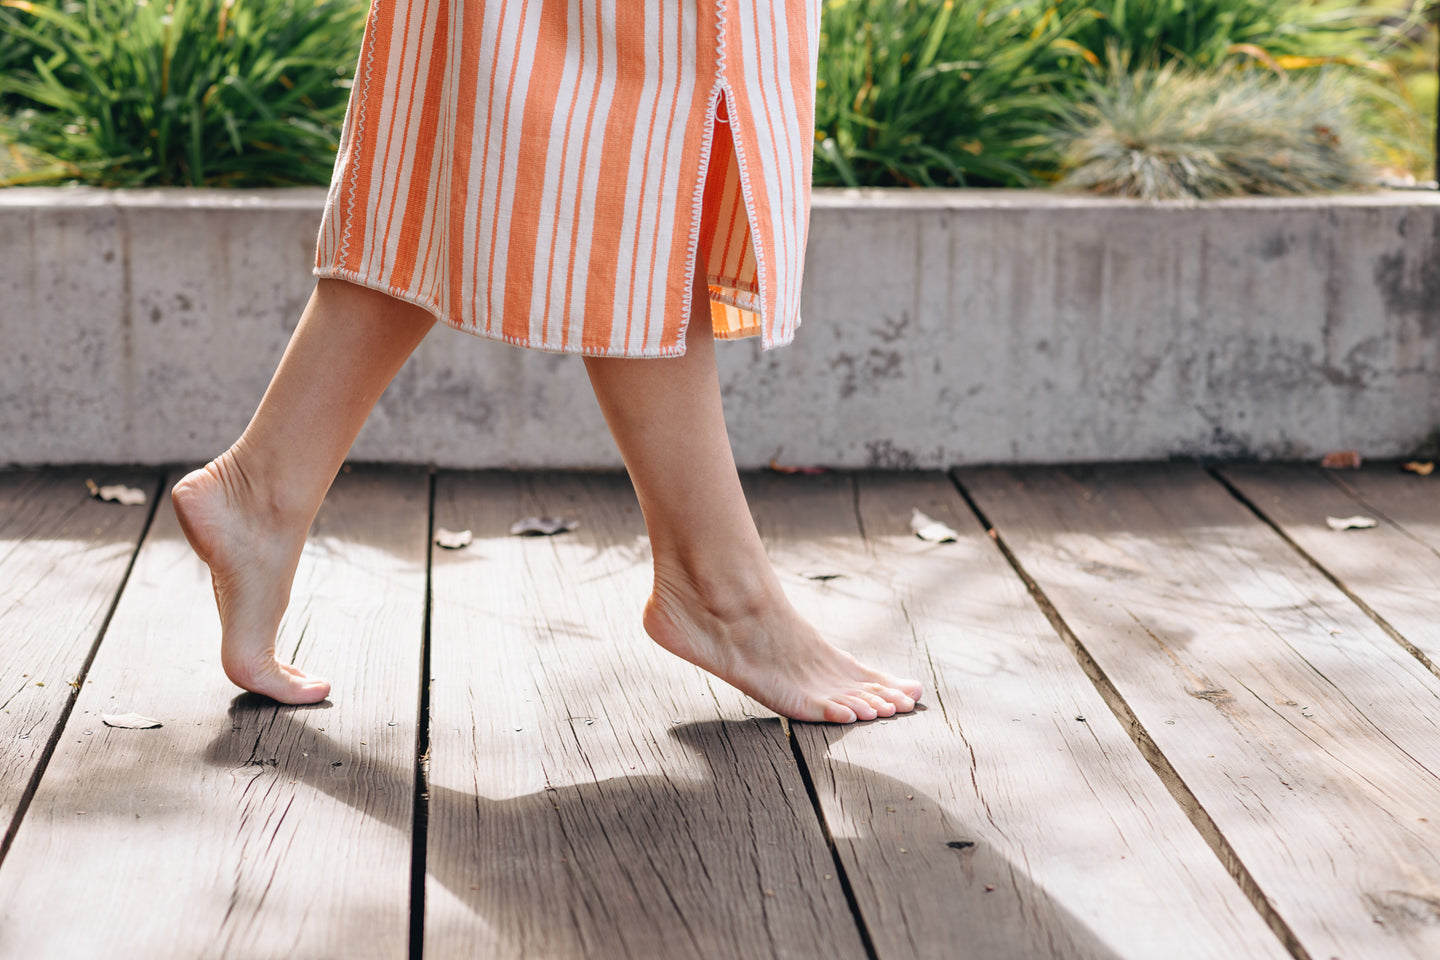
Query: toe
x,y
862,708
881,706
835,712
899,700
278,681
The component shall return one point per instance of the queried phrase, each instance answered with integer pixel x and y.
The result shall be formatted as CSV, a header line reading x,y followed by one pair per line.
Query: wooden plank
x,y
63,557
240,828
592,796
1068,844
1303,739
1393,568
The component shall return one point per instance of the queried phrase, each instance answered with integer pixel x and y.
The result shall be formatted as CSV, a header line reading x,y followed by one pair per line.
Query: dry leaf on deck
x,y
129,721
117,493
542,526
1341,460
452,539
1350,523
806,471
932,530
1423,467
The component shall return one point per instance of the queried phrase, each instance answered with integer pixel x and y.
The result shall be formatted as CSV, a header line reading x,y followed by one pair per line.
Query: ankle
x,y
728,593
254,490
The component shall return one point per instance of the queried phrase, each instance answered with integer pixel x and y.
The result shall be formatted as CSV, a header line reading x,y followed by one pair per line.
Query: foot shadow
x,y
729,863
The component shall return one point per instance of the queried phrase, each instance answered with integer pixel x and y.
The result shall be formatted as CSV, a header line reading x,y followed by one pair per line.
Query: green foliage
x,y
230,92
1177,132
910,92
970,92
920,93
1206,32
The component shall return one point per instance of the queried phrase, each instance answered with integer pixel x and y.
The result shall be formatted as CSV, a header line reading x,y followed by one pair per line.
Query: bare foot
x,y
762,646
252,553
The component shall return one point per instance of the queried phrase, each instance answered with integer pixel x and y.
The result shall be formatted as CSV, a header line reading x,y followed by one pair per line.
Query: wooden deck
x,y
1171,714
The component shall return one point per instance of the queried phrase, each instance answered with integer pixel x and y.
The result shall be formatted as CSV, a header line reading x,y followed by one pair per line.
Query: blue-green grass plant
x,y
1177,132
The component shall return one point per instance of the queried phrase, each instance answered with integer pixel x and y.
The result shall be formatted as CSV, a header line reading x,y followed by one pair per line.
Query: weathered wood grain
x,y
1303,739
1013,816
591,796
240,828
63,557
1392,568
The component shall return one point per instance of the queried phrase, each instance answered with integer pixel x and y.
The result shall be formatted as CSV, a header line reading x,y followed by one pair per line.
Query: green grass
x,y
910,92
920,93
194,92
1206,33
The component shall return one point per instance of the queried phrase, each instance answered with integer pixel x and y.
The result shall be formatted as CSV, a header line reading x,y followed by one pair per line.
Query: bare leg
x,y
716,600
247,512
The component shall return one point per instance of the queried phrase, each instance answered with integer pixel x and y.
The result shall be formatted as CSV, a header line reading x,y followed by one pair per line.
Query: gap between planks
x,y
85,509
1161,551
1393,553
1010,812
1142,739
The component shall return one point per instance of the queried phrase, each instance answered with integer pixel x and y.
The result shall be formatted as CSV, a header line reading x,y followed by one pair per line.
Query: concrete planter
x,y
941,327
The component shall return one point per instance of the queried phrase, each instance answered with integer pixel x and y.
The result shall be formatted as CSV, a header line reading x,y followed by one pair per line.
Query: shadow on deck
x,y
1170,713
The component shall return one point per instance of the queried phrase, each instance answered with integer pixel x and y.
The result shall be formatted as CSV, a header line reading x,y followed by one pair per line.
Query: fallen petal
x,y
542,526
129,721
1423,467
1341,460
804,471
932,530
1350,523
117,493
452,539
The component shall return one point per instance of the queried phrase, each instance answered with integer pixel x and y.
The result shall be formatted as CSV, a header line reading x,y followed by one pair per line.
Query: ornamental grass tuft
x,y
1181,133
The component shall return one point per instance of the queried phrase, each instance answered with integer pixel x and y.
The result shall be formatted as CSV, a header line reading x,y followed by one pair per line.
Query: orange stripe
x,y
611,208
535,124
677,290
802,95
403,126
584,159
413,223
560,179
489,249
673,303
500,183
644,181
464,141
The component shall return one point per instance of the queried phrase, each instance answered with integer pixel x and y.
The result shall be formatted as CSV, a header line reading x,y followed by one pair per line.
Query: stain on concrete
x,y
1409,281
1275,246
884,455
893,328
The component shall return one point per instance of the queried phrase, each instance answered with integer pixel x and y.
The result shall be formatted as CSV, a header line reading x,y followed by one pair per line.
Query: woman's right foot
x,y
252,551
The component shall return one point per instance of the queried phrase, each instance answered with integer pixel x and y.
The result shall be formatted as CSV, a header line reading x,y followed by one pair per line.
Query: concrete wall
x,y
941,327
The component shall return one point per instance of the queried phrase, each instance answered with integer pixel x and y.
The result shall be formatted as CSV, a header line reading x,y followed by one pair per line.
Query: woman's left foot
x,y
761,645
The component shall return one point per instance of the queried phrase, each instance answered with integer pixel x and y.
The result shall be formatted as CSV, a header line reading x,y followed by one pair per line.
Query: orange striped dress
x,y
550,172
